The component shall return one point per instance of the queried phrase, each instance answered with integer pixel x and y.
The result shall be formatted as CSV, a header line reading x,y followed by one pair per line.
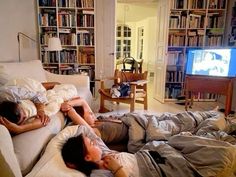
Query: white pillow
x,y
51,163
28,83
32,69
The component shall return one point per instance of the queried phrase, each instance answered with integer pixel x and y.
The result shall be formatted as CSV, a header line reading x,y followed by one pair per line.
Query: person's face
x,y
94,153
22,115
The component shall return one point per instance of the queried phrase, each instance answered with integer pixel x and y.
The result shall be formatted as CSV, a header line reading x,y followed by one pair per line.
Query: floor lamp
x,y
54,44
19,42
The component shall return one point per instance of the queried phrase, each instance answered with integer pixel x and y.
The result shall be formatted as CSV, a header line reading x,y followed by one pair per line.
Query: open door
x,y
162,40
105,37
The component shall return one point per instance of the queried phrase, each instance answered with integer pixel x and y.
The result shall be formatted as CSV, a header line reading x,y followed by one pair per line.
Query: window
x,y
123,41
140,43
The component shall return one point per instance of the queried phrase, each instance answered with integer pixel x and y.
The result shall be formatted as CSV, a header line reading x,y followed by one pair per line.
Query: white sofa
x,y
19,154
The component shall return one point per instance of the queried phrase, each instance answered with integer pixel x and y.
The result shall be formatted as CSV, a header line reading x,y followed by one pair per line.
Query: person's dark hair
x,y
79,110
10,110
74,151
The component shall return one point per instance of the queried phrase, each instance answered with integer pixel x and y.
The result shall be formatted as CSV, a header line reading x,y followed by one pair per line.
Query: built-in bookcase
x,y
73,22
192,24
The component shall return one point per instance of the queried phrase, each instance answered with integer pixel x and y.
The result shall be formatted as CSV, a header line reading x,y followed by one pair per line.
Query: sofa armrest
x,y
8,162
77,80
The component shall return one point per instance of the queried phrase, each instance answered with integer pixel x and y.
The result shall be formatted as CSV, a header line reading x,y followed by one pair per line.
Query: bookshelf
x,y
192,24
73,22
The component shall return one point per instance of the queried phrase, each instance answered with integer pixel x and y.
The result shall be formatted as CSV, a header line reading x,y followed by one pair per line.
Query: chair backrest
x,y
129,61
122,76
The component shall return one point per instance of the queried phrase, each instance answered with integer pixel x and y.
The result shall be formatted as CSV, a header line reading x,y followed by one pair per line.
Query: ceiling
x,y
130,10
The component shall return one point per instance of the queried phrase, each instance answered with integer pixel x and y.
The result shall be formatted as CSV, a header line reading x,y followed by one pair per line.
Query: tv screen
x,y
211,62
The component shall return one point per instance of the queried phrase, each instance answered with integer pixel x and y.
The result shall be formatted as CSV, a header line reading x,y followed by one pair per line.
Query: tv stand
x,y
209,84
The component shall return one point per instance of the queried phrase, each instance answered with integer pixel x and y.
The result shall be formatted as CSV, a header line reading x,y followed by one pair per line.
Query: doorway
x,y
136,24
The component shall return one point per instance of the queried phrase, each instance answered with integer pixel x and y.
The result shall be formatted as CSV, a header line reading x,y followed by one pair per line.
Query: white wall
x,y
17,16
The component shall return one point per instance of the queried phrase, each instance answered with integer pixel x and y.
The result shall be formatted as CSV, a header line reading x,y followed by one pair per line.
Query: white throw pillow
x,y
51,163
31,69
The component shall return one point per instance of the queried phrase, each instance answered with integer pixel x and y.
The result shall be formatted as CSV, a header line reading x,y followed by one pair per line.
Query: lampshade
x,y
54,44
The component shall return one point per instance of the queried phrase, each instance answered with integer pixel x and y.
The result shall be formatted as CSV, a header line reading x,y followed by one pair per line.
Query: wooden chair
x,y
138,94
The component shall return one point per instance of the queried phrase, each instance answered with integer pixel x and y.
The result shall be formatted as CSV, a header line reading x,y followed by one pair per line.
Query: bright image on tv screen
x,y
211,62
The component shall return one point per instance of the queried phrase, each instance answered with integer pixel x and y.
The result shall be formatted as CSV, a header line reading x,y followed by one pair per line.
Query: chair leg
x,y
145,103
132,105
102,108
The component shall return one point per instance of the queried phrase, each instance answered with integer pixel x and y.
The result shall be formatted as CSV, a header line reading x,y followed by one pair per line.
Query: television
x,y
211,62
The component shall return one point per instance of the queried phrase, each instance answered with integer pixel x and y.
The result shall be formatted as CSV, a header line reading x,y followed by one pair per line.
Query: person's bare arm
x,y
49,85
17,129
41,114
112,164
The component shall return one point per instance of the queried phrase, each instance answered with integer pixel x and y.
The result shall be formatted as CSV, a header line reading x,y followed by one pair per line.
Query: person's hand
x,y
43,117
65,107
12,127
111,163
37,123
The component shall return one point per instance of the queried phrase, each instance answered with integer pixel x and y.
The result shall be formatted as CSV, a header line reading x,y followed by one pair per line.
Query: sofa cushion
x,y
51,163
9,166
28,145
32,69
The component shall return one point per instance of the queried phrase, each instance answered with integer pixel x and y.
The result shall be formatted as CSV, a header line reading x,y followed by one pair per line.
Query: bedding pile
x,y
185,144
55,97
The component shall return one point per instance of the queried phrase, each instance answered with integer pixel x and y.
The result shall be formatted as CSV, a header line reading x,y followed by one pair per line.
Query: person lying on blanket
x,y
17,112
12,114
182,155
114,129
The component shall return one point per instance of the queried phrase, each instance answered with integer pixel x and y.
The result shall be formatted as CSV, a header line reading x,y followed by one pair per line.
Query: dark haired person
x,y
12,113
83,154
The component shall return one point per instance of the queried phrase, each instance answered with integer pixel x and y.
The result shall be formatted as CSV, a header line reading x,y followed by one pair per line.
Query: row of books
x,y
51,3
195,40
175,58
85,20
215,21
45,36
84,58
68,39
197,4
66,3
85,3
174,76
178,4
85,37
176,39
68,56
214,40
50,57
66,19
196,21
173,91
177,21
47,19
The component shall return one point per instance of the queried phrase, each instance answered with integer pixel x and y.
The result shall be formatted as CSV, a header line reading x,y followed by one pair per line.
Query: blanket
x,y
185,144
55,96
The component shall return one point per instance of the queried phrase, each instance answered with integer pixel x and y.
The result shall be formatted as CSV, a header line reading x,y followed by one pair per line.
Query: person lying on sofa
x,y
83,154
12,112
111,129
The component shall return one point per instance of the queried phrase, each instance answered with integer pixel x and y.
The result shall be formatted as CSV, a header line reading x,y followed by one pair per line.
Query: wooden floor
x,y
155,106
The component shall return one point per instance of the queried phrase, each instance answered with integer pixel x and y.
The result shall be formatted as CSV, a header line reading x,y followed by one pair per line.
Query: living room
x,y
178,143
